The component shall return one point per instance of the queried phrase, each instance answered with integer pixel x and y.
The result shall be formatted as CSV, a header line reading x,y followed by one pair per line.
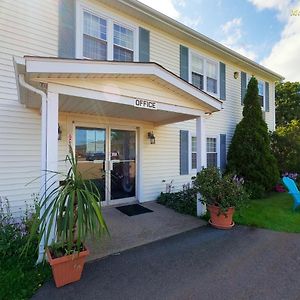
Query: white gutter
x,y
44,148
158,16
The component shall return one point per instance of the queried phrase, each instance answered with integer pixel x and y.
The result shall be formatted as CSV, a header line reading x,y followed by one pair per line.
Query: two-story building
x,y
143,99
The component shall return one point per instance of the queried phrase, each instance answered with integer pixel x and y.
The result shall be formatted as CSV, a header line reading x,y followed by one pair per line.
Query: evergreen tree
x,y
250,154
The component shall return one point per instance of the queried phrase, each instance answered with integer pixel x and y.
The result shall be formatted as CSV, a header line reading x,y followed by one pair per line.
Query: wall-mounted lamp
x,y
151,137
59,133
208,113
236,75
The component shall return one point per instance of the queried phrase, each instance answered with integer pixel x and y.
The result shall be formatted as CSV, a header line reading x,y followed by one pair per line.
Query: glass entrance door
x,y
109,163
90,150
123,165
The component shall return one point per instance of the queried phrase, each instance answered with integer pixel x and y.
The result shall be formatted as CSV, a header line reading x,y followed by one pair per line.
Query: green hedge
x,y
184,202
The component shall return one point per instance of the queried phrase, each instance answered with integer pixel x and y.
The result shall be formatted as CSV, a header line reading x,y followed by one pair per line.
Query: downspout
x,y
44,150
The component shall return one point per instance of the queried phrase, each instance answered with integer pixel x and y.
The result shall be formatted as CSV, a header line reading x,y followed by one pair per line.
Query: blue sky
x,y
262,30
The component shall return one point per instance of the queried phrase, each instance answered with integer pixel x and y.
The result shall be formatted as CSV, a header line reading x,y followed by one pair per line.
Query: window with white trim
x,y
261,93
104,39
194,152
94,37
204,73
261,90
212,77
123,43
197,69
211,150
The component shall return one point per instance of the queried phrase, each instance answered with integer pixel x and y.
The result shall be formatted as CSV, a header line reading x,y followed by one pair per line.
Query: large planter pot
x,y
221,220
67,269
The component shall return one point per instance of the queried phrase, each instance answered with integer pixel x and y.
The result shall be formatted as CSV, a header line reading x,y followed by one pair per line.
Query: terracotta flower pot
x,y
220,220
67,269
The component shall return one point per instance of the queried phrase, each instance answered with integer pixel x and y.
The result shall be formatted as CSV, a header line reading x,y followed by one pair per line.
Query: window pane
x,y
123,37
212,160
197,64
211,145
197,80
260,88
194,160
121,54
211,70
94,26
212,85
194,144
94,48
261,100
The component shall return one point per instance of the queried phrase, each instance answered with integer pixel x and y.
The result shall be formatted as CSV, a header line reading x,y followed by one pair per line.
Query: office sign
x,y
145,104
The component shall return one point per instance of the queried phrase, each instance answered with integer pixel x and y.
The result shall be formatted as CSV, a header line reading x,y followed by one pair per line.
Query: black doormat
x,y
133,209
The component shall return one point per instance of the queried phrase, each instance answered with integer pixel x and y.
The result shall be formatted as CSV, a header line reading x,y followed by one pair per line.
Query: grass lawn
x,y
274,212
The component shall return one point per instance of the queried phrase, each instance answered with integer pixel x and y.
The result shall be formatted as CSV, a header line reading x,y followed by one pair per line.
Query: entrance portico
x,y
120,103
137,92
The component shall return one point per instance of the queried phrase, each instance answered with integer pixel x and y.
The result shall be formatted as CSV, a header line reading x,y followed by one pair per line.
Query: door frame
x,y
108,128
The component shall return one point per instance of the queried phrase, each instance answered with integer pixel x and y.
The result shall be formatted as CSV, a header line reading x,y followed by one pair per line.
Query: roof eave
x,y
137,5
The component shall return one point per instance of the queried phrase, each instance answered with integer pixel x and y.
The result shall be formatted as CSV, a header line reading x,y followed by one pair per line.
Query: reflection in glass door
x,y
123,164
90,152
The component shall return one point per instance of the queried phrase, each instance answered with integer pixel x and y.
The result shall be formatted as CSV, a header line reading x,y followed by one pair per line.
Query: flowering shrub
x,y
293,176
224,191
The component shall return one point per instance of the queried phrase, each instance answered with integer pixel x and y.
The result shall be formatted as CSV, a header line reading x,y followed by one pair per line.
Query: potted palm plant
x,y
222,194
73,209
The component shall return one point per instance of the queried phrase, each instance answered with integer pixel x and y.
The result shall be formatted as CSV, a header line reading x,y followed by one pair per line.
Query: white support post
x,y
140,143
49,155
201,157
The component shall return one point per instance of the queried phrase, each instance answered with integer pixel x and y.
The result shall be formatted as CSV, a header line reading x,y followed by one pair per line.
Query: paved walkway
x,y
204,263
129,232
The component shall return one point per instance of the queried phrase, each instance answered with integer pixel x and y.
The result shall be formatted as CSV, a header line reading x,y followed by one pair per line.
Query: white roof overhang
x,y
41,70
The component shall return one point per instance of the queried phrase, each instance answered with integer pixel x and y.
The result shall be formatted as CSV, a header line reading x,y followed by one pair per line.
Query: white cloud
x,y
232,31
166,7
284,57
282,7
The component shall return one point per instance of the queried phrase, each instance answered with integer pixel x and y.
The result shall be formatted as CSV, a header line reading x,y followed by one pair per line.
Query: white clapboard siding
x,y
31,28
26,28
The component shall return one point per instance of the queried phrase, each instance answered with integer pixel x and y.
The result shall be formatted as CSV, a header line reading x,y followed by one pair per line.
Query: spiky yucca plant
x,y
73,209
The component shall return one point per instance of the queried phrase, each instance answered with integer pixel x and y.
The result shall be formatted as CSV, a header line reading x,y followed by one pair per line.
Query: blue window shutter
x,y
223,159
184,152
67,29
267,96
184,63
222,81
144,45
243,86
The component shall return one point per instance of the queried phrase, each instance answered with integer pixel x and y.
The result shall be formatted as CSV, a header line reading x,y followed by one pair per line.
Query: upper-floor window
x,y
123,43
204,73
104,38
261,91
94,37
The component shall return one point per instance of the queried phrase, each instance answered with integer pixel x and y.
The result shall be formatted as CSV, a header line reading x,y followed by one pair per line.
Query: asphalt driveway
x,y
204,263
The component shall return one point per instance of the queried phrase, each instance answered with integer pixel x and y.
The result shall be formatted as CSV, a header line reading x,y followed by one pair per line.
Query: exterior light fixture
x,y
59,133
208,113
236,75
151,137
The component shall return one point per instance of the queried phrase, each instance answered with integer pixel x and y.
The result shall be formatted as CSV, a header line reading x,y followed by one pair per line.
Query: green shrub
x,y
285,142
19,276
249,154
184,202
224,191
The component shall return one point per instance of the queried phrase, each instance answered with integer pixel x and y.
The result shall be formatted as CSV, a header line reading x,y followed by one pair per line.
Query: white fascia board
x,y
119,99
37,65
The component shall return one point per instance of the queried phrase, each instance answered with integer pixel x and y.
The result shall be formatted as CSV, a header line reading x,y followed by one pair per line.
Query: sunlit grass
x,y
274,212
